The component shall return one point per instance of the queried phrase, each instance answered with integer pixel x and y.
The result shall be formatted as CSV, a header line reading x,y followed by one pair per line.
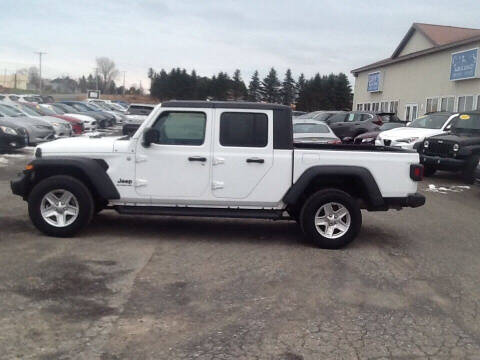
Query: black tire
x,y
315,202
429,170
86,205
468,172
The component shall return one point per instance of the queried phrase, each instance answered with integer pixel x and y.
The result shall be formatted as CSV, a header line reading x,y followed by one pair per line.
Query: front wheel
x,y
60,206
468,172
331,218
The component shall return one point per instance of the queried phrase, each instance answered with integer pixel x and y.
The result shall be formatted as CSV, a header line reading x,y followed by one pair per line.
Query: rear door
x,y
337,124
242,151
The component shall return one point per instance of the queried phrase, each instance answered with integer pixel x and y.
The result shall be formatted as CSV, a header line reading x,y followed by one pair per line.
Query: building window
x,y
384,106
478,102
393,106
359,107
367,107
432,105
465,103
447,104
375,106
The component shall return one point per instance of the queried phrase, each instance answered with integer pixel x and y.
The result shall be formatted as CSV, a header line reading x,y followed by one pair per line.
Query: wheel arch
x,y
354,180
92,172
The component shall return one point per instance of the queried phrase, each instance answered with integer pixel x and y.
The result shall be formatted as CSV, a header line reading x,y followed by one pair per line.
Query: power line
x,y
40,53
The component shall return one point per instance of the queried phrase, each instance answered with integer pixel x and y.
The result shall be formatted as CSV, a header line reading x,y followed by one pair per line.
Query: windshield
x,y
466,122
66,108
29,111
310,128
80,107
139,110
429,121
388,126
10,111
44,110
93,106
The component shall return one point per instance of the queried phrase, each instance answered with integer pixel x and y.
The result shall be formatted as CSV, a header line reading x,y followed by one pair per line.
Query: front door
x,y
178,164
411,112
242,152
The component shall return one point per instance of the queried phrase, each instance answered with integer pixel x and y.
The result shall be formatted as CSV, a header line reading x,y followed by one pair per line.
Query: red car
x,y
77,125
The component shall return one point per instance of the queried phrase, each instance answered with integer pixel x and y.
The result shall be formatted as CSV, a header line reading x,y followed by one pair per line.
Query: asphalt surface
x,y
189,288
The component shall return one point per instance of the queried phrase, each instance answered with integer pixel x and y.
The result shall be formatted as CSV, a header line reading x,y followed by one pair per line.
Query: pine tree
x,y
254,88
271,87
239,90
288,89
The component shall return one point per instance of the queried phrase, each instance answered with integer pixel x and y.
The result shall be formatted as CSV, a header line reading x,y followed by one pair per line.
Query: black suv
x,y
456,150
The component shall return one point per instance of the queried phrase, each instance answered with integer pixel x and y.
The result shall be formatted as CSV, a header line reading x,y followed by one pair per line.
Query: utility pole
x,y
123,90
96,76
5,78
40,53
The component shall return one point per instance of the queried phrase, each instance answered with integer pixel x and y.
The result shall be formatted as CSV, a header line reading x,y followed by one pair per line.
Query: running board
x,y
202,212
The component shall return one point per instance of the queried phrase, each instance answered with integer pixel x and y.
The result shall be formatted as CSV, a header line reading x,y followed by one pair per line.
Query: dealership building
x,y
434,68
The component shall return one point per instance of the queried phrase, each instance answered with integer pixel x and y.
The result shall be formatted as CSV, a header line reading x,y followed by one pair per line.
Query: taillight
x,y
416,172
378,121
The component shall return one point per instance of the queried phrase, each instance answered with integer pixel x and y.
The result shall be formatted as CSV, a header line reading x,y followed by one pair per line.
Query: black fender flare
x,y
94,170
359,173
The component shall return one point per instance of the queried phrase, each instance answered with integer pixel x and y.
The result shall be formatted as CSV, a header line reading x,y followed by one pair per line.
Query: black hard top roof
x,y
223,105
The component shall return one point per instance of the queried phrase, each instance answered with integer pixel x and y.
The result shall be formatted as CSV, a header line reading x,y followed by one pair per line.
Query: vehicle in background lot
x,y
77,125
122,103
135,116
31,98
296,113
47,99
89,123
224,159
62,128
38,131
80,108
456,150
369,138
12,135
313,131
414,133
103,106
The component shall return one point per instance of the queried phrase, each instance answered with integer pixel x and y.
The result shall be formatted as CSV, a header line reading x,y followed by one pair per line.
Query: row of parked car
x,y
445,141
32,119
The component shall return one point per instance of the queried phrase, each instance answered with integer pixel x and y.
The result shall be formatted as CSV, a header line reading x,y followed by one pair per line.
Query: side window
x,y
243,129
336,118
181,128
365,117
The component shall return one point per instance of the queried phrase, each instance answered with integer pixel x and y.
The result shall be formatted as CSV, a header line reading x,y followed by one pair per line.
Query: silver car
x,y
313,131
38,131
62,128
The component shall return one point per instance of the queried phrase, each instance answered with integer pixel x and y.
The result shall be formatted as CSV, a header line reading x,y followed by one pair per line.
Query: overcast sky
x,y
212,36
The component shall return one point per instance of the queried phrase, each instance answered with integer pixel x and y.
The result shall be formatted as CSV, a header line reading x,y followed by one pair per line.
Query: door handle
x,y
255,160
197,158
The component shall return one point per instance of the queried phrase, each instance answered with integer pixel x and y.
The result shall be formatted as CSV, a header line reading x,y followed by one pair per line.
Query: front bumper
x,y
396,144
21,184
8,141
442,163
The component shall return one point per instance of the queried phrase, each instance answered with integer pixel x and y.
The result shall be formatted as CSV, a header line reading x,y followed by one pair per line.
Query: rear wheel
x,y
331,218
60,206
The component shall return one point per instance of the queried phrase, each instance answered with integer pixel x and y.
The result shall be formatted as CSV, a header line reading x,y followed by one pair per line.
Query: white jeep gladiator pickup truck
x,y
218,159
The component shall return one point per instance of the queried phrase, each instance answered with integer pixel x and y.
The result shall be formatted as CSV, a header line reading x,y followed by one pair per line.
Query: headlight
x,y
456,147
426,144
8,130
370,139
408,140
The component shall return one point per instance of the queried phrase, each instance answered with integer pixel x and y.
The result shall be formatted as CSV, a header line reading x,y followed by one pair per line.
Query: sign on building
x,y
464,65
374,82
93,94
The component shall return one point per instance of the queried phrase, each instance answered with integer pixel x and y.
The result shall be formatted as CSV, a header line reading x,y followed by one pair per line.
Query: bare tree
x,y
107,70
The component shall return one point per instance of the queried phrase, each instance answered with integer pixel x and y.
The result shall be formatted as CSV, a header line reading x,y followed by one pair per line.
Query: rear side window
x,y
336,118
181,128
243,129
366,117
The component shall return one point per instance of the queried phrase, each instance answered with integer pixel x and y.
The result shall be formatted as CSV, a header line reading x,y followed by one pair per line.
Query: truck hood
x,y
408,132
79,145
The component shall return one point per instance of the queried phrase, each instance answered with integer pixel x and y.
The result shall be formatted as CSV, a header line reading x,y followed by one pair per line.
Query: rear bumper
x,y
411,201
442,163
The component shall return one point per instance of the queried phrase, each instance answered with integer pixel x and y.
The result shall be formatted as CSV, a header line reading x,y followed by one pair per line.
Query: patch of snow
x,y
447,189
3,161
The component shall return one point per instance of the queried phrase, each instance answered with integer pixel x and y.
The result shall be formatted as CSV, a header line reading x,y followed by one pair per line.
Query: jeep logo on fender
x,y
124,182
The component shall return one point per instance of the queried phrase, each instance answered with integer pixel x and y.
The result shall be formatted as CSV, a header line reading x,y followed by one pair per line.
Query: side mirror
x,y
150,135
448,127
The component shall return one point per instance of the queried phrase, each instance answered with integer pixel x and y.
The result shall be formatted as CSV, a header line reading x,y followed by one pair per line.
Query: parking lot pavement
x,y
181,288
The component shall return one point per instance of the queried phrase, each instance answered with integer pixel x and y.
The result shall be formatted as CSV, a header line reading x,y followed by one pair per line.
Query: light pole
x,y
123,90
40,53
